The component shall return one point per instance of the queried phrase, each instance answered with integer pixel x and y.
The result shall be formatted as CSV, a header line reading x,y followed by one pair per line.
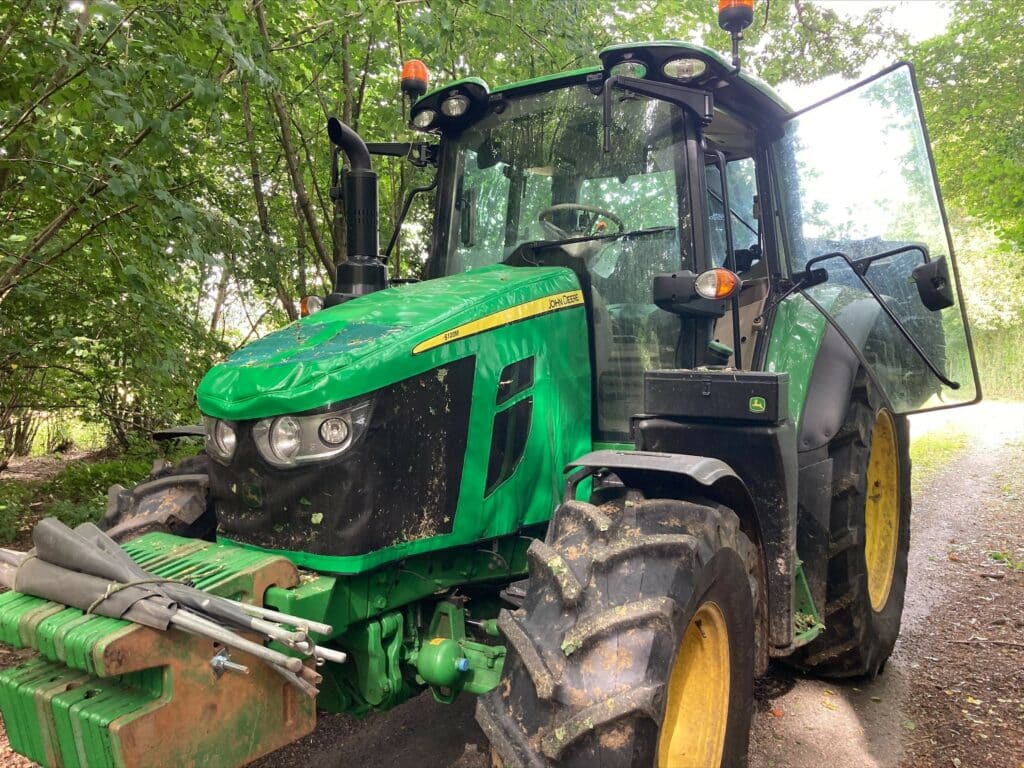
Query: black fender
x,y
771,530
833,375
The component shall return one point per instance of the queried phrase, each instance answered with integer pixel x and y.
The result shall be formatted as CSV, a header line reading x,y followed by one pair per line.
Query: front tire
x,y
869,543
635,643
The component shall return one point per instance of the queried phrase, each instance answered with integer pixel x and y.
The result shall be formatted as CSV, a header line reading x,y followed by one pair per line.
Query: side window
x,y
478,225
741,184
862,207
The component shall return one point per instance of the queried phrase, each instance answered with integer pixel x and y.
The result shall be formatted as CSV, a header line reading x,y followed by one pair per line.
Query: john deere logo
x,y
757,404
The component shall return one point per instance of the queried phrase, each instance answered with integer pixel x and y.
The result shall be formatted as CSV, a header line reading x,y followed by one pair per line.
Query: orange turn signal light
x,y
415,78
735,15
310,304
717,284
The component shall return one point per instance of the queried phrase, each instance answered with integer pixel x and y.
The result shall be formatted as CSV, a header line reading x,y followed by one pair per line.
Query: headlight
x,y
455,106
285,441
220,439
285,438
423,120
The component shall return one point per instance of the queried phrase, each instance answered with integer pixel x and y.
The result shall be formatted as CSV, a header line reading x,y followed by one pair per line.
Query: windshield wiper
x,y
810,277
609,236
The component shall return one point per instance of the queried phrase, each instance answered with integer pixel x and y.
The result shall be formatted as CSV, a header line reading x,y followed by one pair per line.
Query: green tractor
x,y
640,429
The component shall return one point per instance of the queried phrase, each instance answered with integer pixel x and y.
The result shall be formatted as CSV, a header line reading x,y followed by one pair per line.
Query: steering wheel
x,y
557,232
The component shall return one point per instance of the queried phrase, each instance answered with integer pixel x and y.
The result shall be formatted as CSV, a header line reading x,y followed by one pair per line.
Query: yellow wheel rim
x,y
697,707
882,510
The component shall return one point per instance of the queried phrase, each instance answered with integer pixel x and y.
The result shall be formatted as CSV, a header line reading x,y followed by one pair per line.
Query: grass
x,y
933,452
1000,356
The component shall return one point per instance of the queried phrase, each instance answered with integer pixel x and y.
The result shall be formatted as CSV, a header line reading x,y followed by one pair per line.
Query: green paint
x,y
807,623
555,81
367,343
450,662
796,335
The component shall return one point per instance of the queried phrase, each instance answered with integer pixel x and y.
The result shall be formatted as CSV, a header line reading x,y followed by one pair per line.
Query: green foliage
x,y
1000,356
15,498
972,78
87,481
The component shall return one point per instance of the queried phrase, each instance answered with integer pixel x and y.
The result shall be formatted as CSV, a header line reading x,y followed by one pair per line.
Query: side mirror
x,y
933,284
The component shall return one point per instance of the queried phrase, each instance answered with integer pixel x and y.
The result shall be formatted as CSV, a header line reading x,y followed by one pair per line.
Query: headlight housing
x,y
285,441
221,439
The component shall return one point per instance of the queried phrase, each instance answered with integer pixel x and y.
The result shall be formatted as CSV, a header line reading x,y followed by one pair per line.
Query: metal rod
x,y
284,618
200,626
329,654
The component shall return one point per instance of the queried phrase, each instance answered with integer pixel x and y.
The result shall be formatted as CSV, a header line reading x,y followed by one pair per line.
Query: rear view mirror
x,y
933,284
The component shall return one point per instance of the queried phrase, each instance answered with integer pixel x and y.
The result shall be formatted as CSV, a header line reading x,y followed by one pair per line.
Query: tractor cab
x,y
666,164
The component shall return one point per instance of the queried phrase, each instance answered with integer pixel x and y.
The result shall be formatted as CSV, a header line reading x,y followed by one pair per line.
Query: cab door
x,y
867,241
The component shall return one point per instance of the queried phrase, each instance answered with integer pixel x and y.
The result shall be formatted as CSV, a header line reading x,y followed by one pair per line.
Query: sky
x,y
920,19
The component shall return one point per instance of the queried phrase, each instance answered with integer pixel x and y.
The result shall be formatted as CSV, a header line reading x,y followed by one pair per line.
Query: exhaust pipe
x,y
362,272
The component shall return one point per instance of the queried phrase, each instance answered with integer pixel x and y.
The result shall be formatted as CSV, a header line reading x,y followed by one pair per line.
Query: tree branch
x,y
290,155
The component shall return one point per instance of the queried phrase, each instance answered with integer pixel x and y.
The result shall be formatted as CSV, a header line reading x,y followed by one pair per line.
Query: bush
x,y
15,498
87,481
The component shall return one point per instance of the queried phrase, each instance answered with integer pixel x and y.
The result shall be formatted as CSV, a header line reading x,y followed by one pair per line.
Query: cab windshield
x,y
535,171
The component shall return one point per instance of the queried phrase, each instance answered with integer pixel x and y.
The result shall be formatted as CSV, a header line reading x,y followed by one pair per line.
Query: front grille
x,y
398,483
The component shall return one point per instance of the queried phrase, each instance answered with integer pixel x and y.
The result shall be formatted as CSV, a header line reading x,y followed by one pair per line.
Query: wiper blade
x,y
609,236
805,278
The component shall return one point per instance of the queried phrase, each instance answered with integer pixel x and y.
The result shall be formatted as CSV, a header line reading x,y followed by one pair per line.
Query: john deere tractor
x,y
640,429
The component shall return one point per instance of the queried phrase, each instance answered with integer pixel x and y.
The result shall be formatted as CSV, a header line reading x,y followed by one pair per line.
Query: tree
x,y
164,168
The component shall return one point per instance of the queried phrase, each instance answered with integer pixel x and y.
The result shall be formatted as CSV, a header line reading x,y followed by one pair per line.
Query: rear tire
x,y
635,643
184,510
869,542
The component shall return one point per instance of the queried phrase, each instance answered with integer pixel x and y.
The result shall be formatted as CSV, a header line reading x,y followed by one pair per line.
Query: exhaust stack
x,y
362,272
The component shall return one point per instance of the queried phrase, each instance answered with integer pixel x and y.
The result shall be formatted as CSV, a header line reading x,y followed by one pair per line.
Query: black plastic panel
x,y
399,483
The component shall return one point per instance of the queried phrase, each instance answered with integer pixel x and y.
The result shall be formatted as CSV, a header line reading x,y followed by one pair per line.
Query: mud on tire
x,y
174,499
591,652
858,639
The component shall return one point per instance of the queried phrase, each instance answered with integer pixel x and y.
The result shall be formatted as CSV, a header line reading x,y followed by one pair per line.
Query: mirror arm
x,y
862,265
419,153
405,209
885,308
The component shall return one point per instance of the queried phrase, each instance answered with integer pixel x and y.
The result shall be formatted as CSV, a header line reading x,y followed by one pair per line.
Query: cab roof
x,y
737,93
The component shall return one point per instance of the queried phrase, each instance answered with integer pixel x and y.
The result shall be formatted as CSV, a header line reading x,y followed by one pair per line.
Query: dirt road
x,y
952,695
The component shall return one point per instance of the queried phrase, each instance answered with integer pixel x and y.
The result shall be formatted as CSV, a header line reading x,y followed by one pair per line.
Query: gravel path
x,y
799,723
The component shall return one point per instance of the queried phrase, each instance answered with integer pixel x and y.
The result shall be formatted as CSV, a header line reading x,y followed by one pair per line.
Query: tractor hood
x,y
378,340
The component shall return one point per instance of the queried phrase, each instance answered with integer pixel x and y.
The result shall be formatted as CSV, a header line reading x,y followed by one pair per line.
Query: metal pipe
x,y
200,626
284,618
329,654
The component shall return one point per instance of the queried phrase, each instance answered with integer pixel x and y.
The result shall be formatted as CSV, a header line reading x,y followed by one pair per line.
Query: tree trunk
x,y
291,156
